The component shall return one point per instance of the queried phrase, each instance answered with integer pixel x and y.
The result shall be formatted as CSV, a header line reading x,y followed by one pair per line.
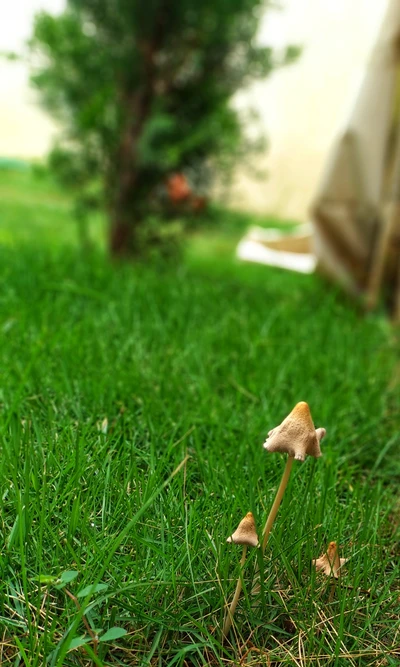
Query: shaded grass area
x,y
110,377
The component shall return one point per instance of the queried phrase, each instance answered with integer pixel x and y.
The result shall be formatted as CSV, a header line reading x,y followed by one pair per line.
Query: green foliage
x,y
143,90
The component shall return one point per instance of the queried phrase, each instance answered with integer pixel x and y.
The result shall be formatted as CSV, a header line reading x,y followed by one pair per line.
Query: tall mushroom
x,y
296,437
245,534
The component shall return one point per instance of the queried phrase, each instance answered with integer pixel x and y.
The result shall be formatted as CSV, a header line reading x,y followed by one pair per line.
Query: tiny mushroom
x,y
330,563
246,535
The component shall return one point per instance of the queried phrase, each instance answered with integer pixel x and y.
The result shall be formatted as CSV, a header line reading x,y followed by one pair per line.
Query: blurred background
x,y
301,107
162,119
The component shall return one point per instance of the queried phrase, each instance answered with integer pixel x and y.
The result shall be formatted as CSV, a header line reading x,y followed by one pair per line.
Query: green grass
x,y
196,360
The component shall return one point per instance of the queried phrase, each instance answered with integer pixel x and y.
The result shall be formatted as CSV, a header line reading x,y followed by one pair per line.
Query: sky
x,y
301,106
25,130
16,19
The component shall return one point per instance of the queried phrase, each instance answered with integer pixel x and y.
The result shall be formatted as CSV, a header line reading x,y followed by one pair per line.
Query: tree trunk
x,y
138,105
121,237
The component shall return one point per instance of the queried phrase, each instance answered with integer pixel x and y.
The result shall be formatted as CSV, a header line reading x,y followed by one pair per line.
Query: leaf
x,y
92,589
66,577
45,579
10,55
112,633
79,641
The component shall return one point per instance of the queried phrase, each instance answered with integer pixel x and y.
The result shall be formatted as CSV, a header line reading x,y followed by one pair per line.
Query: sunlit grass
x,y
110,377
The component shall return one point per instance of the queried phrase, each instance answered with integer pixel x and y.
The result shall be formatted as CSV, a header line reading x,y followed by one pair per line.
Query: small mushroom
x,y
245,534
330,563
297,437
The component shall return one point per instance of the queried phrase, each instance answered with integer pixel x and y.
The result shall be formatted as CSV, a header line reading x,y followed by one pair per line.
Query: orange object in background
x,y
178,188
180,192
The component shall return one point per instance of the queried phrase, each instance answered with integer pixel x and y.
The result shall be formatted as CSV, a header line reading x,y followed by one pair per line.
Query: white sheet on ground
x,y
254,251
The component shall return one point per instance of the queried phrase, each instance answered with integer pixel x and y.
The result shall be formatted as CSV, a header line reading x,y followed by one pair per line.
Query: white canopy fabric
x,y
355,237
355,226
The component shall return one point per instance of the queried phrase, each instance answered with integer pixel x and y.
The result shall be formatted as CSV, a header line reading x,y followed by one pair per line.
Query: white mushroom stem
x,y
277,502
229,615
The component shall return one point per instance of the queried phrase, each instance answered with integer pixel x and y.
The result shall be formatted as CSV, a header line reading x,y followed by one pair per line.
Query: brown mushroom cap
x,y
246,532
296,435
330,563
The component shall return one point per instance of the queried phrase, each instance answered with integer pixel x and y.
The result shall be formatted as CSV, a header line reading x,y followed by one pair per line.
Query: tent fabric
x,y
355,237
349,212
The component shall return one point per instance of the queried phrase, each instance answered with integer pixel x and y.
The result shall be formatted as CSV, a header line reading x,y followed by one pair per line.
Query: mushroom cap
x,y
296,435
330,563
246,532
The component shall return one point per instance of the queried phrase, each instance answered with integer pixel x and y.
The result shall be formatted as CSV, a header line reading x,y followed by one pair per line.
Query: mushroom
x,y
246,535
330,563
297,437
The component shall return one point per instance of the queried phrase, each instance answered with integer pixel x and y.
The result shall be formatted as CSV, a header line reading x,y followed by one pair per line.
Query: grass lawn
x,y
134,401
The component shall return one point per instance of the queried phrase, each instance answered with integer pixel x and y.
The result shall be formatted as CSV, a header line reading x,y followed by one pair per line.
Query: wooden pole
x,y
390,222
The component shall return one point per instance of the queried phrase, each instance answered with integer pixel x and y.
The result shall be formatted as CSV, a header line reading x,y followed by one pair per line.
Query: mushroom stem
x,y
277,502
229,615
332,591
271,518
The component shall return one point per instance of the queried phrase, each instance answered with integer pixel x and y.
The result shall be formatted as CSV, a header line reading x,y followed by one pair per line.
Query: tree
x,y
142,90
